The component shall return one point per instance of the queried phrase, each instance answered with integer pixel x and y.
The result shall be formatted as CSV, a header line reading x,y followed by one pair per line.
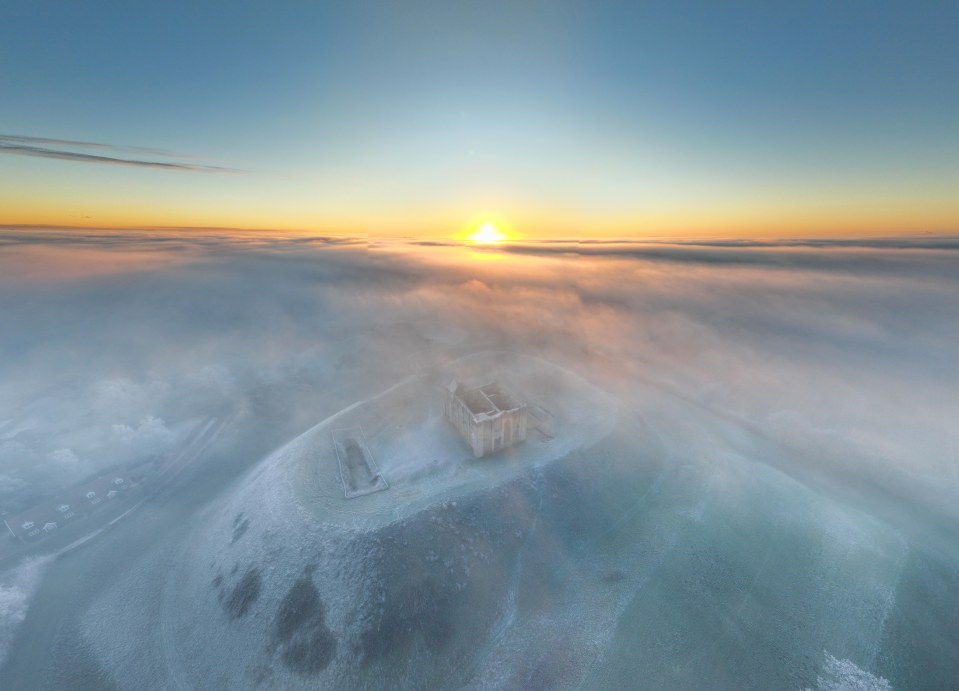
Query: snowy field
x,y
753,481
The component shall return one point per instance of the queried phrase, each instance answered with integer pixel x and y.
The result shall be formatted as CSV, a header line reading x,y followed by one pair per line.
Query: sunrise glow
x,y
487,234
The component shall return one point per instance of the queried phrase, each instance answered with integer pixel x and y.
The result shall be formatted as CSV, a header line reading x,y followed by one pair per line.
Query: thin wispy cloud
x,y
74,143
96,152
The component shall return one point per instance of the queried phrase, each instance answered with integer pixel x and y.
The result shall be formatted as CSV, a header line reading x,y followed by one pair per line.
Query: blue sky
x,y
400,115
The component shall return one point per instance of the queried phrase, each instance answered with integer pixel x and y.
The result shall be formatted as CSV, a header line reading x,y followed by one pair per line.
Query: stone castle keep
x,y
487,417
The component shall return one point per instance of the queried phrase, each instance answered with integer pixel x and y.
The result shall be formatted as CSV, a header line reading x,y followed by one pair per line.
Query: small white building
x,y
488,417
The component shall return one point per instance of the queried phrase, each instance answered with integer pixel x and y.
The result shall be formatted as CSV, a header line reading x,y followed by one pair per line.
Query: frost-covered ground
x,y
16,590
754,482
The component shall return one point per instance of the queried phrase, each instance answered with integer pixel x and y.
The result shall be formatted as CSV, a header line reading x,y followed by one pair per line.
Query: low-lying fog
x,y
772,396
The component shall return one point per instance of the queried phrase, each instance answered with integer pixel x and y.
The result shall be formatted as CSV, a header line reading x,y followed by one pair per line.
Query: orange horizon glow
x,y
764,218
534,226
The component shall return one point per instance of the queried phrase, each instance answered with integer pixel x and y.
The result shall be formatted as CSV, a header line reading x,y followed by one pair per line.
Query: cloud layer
x,y
847,350
797,397
83,152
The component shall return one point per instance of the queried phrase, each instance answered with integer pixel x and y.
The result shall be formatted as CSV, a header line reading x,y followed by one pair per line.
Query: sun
x,y
487,234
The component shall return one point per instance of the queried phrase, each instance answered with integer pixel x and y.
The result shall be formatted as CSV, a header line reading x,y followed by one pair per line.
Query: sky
x,y
553,119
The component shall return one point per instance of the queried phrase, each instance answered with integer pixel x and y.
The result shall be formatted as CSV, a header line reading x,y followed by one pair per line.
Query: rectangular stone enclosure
x,y
488,417
358,470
